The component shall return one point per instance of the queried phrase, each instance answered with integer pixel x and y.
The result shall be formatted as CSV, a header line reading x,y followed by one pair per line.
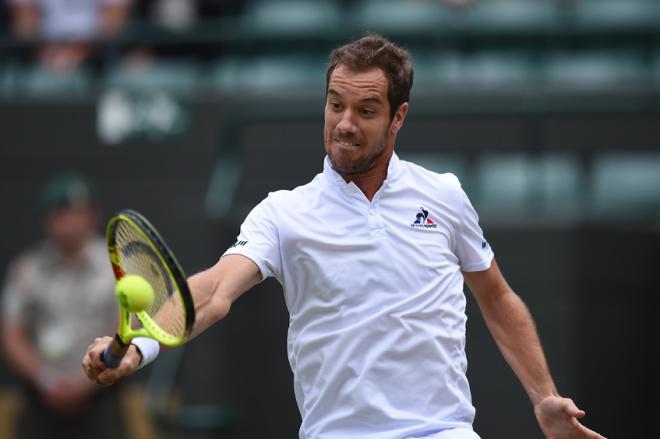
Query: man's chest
x,y
59,292
403,228
348,255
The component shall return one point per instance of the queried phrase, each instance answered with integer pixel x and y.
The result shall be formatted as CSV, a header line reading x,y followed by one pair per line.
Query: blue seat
x,y
269,73
291,16
523,185
503,184
593,68
513,15
484,69
655,68
171,76
399,16
432,69
626,185
40,82
559,187
617,14
8,78
498,67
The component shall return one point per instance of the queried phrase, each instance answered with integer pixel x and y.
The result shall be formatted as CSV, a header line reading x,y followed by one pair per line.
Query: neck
x,y
373,179
369,183
71,254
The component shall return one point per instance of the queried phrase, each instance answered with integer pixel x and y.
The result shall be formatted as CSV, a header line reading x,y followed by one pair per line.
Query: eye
x,y
335,106
367,112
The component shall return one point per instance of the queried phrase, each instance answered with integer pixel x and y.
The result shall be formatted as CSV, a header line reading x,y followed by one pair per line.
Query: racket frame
x,y
150,328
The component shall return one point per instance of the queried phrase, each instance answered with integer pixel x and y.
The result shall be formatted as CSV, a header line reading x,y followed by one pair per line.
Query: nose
x,y
346,123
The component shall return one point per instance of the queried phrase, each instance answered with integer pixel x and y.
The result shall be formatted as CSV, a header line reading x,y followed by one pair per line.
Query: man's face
x,y
358,133
69,227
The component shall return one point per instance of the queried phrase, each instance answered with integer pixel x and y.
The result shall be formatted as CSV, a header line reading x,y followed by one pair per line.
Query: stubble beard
x,y
357,167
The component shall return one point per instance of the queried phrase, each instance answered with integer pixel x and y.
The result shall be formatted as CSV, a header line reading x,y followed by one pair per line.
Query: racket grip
x,y
114,352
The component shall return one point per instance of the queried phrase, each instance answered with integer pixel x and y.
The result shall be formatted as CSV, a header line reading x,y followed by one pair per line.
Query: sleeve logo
x,y
238,244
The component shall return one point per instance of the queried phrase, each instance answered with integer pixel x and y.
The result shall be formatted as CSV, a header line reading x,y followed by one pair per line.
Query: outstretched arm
x,y
512,326
213,290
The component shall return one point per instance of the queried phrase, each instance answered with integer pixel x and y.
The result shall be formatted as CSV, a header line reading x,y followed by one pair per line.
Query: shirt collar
x,y
334,177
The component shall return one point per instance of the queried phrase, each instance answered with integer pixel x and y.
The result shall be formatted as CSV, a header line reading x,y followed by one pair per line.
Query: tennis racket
x,y
136,248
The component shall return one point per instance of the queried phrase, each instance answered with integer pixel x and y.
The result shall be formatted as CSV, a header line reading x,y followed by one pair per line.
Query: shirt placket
x,y
373,212
375,218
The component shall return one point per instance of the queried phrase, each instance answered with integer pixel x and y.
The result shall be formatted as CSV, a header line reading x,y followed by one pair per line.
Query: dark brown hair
x,y
373,51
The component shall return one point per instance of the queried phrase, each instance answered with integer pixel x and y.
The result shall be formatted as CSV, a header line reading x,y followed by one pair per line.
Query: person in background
x,y
57,295
65,29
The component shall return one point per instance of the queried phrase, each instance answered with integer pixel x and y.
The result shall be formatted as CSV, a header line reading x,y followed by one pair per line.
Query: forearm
x,y
515,333
210,305
214,290
20,353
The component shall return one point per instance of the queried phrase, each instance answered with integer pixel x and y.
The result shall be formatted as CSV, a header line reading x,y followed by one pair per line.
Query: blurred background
x,y
192,111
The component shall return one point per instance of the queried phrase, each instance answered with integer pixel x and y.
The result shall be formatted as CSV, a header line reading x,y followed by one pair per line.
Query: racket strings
x,y
137,256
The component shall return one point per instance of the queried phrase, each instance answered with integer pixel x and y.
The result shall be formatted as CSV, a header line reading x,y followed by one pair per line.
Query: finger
x,y
128,365
572,410
586,432
96,352
87,366
97,358
92,364
107,377
90,367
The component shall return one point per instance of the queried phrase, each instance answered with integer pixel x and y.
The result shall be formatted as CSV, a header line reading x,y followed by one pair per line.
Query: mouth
x,y
345,142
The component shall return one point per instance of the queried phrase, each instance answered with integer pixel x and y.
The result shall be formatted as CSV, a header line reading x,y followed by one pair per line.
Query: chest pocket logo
x,y
423,220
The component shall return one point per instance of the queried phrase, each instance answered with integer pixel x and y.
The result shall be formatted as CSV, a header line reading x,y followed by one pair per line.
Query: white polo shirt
x,y
375,296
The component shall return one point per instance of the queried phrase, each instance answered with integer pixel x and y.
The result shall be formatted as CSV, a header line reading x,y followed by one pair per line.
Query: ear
x,y
399,117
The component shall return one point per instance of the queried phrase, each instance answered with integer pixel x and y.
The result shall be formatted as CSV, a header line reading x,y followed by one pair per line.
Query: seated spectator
x,y
65,28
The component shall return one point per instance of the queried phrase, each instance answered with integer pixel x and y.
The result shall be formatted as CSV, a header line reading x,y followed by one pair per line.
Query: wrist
x,y
147,348
539,398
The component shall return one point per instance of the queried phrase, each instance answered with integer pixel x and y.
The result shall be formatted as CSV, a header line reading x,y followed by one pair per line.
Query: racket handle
x,y
114,352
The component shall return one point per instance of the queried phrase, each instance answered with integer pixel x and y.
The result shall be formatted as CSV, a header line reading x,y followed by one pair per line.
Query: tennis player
x,y
372,255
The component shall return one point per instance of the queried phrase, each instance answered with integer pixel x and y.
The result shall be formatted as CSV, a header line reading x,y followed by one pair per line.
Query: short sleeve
x,y
14,297
259,241
472,248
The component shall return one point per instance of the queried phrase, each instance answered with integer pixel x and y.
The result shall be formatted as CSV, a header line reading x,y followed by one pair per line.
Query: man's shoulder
x,y
292,197
97,252
31,260
37,251
97,244
42,254
420,174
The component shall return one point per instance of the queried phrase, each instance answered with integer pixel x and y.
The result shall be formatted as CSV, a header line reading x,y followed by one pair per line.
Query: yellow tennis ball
x,y
134,293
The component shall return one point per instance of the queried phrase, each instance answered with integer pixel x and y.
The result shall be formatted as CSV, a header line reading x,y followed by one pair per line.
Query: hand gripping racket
x,y
136,248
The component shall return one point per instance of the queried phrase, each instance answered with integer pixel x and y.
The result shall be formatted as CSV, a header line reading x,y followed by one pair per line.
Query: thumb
x,y
572,410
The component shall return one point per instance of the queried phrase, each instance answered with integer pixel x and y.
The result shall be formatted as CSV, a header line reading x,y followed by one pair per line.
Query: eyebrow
x,y
373,99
